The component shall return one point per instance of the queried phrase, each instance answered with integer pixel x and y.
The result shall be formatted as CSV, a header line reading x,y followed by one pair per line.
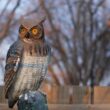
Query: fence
x,y
71,94
2,99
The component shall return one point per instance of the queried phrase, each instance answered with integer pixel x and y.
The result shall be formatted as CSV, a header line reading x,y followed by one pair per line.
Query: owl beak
x,y
27,35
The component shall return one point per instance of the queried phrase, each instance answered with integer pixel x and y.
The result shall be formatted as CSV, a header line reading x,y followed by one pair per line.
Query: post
x,y
92,74
32,101
92,89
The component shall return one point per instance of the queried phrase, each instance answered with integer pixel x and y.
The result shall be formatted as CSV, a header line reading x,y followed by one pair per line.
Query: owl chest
x,y
32,67
30,64
30,72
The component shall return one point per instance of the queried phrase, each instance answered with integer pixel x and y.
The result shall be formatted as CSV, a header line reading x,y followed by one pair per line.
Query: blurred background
x,y
77,31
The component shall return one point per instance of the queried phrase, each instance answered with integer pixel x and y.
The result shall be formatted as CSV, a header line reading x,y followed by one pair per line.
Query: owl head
x,y
31,31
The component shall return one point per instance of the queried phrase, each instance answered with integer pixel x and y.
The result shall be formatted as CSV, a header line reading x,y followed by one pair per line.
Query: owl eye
x,y
35,31
23,31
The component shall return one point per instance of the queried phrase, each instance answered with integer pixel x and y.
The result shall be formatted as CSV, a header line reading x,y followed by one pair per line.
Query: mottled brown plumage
x,y
26,62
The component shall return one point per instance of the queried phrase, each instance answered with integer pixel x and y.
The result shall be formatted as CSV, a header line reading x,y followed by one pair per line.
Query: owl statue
x,y
27,61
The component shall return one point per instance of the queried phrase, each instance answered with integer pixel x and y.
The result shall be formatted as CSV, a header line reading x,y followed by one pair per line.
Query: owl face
x,y
30,35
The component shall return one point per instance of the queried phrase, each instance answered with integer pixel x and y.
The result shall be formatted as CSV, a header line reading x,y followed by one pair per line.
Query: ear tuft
x,y
22,26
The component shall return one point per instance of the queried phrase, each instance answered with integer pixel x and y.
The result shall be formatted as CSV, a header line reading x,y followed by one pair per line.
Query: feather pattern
x,y
26,63
12,63
27,69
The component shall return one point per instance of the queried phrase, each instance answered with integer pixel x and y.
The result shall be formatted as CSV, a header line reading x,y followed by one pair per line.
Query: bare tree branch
x,y
4,33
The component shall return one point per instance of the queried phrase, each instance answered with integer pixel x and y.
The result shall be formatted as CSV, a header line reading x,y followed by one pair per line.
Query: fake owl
x,y
27,61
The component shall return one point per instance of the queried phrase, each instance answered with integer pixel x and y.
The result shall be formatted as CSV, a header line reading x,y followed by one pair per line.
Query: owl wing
x,y
12,65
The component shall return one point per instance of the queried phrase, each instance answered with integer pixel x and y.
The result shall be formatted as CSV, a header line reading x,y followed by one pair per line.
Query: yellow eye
x,y
23,30
35,31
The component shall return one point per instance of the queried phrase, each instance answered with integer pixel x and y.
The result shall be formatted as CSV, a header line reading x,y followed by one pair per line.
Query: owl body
x,y
31,71
26,63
